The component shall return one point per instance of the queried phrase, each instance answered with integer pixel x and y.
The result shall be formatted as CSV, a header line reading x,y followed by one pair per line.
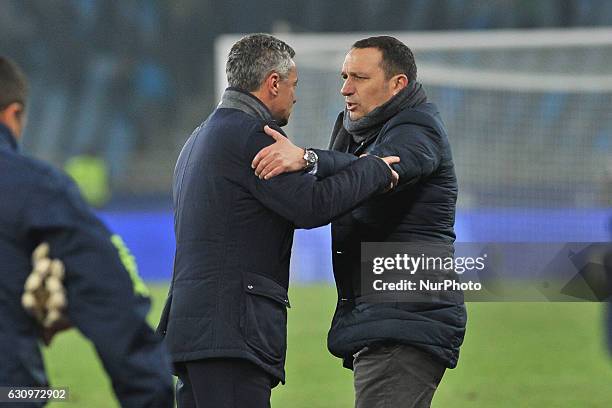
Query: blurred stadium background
x,y
525,88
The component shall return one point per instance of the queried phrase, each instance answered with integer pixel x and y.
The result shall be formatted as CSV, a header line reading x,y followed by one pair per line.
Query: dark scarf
x,y
361,130
234,98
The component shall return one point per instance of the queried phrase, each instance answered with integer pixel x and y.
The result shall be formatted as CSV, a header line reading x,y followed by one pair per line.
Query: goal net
x,y
528,112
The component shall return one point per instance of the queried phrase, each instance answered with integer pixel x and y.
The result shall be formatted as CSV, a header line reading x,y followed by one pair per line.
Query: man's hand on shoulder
x,y
280,157
389,160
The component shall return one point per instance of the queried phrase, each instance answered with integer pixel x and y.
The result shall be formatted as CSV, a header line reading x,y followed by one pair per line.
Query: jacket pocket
x,y
265,318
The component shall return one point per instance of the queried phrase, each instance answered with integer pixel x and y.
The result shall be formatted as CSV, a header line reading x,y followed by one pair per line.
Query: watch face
x,y
312,157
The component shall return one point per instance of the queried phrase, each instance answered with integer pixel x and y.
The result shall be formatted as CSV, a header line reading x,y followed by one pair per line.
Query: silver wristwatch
x,y
311,159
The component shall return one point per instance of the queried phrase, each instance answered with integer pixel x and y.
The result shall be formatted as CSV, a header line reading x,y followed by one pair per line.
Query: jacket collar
x,y
234,98
7,140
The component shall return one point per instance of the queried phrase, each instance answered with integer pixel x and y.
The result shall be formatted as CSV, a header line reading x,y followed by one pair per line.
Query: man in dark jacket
x,y
225,317
106,299
398,350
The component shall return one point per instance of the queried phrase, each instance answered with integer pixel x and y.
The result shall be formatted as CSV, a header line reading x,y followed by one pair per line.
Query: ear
x,y
9,113
14,110
272,82
399,82
12,117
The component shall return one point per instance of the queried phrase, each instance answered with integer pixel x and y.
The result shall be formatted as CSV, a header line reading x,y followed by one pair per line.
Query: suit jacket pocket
x,y
265,318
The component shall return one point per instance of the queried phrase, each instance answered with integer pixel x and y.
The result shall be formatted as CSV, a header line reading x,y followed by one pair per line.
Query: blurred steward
x,y
90,173
106,300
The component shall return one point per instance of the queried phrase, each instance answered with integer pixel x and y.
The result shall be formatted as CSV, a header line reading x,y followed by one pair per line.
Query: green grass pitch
x,y
514,355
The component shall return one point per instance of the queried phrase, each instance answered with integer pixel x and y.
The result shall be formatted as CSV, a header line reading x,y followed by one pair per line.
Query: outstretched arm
x,y
417,147
309,202
284,157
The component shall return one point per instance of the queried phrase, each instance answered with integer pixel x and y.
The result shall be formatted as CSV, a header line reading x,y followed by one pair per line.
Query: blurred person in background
x,y
399,351
106,300
91,175
225,319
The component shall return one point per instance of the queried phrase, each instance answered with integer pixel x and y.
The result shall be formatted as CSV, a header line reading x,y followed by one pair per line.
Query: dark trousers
x,y
395,376
222,383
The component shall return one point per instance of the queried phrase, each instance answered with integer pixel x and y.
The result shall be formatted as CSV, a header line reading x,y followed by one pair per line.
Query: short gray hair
x,y
254,57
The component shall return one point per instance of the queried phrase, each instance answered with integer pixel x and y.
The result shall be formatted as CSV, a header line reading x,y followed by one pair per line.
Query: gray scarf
x,y
369,126
234,98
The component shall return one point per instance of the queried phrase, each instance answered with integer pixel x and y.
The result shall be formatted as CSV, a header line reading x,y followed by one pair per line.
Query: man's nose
x,y
347,88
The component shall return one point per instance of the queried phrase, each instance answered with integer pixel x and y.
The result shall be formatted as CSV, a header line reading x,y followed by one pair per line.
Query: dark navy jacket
x,y
38,203
420,210
233,240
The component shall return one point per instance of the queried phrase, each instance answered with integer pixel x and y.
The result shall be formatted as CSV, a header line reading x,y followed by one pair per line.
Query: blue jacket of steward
x,y
107,301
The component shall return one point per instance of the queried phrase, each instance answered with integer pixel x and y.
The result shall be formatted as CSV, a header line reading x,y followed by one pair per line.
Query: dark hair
x,y
13,84
396,56
254,57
